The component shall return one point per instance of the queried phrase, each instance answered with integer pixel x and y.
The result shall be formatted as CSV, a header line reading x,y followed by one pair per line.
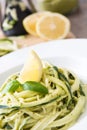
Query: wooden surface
x,y
79,20
31,40
28,40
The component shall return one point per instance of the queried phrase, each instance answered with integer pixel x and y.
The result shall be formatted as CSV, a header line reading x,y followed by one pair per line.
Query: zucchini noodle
x,y
56,110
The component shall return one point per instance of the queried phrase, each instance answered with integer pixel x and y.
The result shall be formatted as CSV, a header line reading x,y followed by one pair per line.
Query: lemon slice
x,y
32,69
30,21
53,26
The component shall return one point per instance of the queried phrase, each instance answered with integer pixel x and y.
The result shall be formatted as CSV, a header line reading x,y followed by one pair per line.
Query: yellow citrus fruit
x,y
32,69
53,26
30,21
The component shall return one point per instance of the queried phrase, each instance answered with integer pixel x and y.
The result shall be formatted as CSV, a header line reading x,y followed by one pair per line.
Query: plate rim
x,y
12,59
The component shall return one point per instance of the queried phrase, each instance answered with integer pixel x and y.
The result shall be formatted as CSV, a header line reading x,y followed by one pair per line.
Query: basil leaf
x,y
12,86
35,86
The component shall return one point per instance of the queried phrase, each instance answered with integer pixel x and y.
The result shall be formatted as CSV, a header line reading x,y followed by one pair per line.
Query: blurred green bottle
x,y
61,6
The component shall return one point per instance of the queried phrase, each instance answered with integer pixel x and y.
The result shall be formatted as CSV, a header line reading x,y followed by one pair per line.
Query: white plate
x,y
70,54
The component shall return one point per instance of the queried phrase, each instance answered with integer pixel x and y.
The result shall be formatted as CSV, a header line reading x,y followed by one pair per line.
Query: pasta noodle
x,y
32,110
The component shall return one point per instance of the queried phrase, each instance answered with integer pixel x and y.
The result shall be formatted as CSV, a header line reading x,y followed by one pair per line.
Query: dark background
x,y
79,20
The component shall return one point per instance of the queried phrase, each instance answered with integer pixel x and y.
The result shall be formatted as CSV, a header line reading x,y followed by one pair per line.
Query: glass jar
x,y
61,6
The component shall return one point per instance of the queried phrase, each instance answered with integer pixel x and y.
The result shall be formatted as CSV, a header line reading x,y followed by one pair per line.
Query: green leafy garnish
x,y
35,86
12,86
15,85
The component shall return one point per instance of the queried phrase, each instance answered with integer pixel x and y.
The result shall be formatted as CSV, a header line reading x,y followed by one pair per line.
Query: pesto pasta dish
x,y
41,96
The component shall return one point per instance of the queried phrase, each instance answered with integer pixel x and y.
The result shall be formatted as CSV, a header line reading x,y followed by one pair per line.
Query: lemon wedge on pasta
x,y
32,69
